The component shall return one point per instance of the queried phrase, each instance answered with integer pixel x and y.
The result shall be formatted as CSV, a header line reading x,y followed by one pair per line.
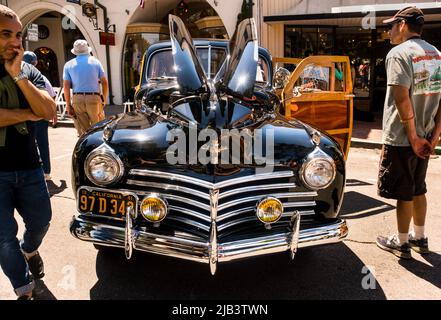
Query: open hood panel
x,y
189,72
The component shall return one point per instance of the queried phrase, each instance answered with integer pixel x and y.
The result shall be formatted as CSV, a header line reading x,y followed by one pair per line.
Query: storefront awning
x,y
343,16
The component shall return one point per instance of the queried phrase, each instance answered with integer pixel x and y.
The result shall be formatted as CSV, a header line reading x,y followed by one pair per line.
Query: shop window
x,y
302,42
135,47
357,43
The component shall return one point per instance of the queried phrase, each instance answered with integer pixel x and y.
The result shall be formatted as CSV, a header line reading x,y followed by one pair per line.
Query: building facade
x,y
297,28
130,28
290,28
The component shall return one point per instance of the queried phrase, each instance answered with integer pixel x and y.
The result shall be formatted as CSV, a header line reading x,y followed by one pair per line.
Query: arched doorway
x,y
54,38
150,25
48,64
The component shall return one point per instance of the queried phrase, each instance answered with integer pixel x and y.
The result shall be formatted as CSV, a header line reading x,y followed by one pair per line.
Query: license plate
x,y
105,203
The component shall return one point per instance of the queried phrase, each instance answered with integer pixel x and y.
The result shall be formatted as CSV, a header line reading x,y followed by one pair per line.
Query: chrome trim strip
x,y
307,213
238,221
253,208
187,201
129,233
164,186
181,247
190,222
209,185
235,213
190,213
299,204
256,188
171,197
250,219
294,241
213,250
260,197
170,176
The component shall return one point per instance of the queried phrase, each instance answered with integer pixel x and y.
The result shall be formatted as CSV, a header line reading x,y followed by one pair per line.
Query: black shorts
x,y
402,174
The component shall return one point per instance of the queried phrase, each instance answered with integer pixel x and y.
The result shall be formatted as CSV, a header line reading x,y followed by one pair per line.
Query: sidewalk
x,y
367,134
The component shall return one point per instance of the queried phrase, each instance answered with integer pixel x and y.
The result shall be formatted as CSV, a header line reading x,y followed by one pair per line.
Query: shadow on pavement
x,y
54,189
357,183
41,291
327,272
431,273
357,205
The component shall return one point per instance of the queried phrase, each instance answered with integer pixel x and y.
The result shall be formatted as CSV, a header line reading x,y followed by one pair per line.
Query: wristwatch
x,y
20,76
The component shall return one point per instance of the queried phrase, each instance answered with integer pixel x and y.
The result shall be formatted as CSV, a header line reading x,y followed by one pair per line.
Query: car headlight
x,y
269,210
153,208
318,172
103,167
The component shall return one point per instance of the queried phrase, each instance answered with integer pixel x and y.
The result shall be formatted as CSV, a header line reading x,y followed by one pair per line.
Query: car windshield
x,y
161,65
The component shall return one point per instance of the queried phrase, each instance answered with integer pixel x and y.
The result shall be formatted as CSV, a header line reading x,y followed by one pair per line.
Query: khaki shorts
x,y
88,110
402,174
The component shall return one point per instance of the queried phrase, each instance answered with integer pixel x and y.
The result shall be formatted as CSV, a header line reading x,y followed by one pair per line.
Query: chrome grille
x,y
189,198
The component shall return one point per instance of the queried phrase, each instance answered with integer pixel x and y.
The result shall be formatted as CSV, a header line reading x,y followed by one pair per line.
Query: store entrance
x,y
47,63
150,25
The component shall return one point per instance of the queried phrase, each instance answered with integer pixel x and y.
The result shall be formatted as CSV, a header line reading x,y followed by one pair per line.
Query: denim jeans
x,y
41,135
25,191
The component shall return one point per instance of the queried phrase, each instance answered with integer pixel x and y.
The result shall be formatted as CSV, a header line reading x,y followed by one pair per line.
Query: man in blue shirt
x,y
83,75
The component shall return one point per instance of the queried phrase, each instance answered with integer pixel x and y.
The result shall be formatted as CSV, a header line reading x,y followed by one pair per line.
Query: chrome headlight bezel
x,y
317,156
160,199
104,151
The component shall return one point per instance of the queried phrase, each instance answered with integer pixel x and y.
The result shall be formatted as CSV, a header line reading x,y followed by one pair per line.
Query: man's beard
x,y
5,55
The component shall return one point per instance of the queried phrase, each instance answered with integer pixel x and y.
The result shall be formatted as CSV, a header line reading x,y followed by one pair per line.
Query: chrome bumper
x,y
185,246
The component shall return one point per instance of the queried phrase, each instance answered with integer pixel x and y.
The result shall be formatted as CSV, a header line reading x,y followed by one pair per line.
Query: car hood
x,y
143,139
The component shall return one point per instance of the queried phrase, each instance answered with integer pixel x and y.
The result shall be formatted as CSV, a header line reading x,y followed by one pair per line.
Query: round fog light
x,y
153,208
269,210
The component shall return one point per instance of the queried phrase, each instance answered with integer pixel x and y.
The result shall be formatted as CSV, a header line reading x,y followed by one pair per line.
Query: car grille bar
x,y
190,202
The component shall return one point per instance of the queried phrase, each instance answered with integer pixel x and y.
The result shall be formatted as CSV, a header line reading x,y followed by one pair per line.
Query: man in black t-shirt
x,y
23,100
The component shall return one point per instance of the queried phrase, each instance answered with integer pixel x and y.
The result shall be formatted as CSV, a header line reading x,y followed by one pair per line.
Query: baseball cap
x,y
30,57
410,14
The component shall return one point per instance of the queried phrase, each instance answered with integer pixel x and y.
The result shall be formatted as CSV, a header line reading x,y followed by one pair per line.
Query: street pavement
x,y
353,269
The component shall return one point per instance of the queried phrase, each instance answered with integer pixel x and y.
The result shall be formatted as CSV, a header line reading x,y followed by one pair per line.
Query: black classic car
x,y
206,167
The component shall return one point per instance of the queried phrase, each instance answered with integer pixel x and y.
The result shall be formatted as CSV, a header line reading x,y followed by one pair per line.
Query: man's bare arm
x,y
9,117
66,89
105,86
436,133
39,100
420,145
